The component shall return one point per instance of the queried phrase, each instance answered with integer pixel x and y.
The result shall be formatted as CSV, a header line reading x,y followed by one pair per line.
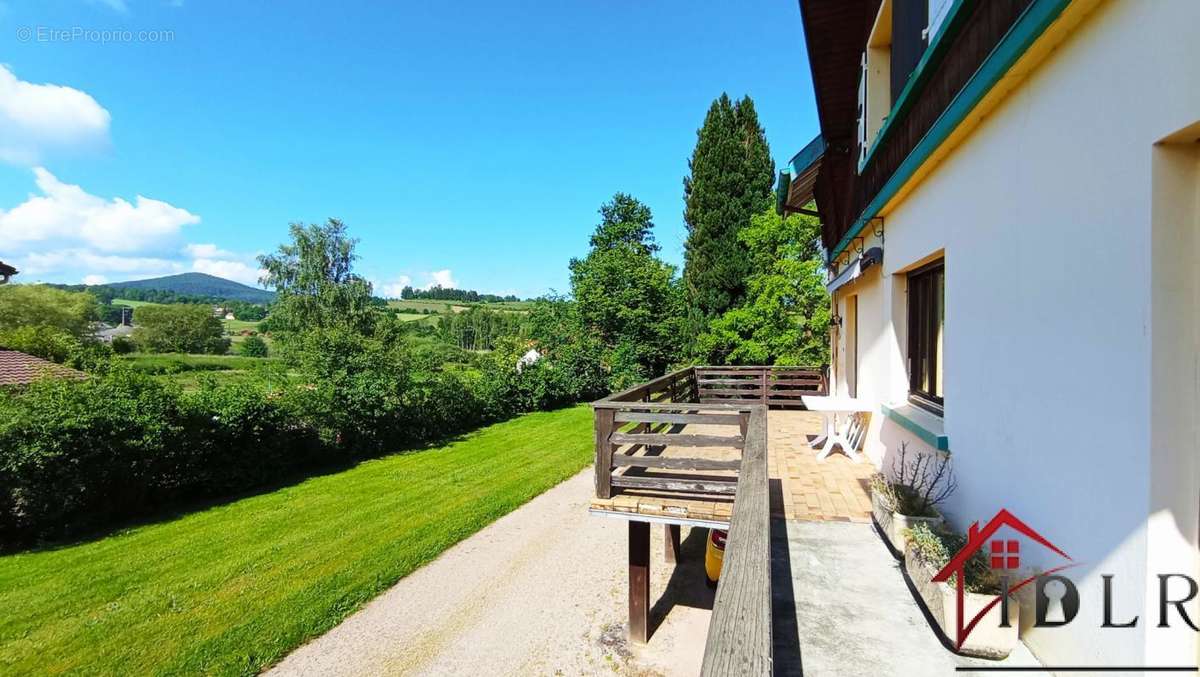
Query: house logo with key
x,y
1004,557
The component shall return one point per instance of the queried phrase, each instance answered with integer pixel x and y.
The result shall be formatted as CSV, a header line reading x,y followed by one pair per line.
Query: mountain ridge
x,y
199,284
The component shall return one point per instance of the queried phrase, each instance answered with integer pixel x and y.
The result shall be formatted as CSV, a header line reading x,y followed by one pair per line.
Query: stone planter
x,y
988,639
892,524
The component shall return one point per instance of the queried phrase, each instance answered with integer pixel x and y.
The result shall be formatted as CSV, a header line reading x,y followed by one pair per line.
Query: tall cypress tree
x,y
730,180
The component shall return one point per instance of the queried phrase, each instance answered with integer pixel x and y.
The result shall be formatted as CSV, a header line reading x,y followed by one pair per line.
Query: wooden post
x,y
671,542
604,452
763,381
639,581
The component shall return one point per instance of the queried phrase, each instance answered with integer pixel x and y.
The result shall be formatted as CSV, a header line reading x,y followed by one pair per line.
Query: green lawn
x,y
235,326
132,304
232,589
414,317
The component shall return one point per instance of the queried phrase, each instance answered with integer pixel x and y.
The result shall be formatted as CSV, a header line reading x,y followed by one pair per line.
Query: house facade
x,y
1010,199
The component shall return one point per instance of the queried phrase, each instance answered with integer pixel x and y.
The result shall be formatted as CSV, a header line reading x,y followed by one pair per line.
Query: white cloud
x,y
117,5
66,215
69,263
66,233
441,278
392,290
35,118
237,271
208,251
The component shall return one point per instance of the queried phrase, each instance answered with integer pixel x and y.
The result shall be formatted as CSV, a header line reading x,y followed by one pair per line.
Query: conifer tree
x,y
730,180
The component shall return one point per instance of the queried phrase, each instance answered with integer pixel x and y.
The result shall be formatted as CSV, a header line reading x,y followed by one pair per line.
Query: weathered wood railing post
x,y
604,451
739,633
763,376
671,543
639,581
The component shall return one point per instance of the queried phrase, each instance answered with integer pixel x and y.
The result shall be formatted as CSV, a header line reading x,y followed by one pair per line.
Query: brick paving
x,y
834,489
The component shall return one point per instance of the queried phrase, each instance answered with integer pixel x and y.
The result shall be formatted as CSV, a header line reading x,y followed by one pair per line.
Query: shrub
x,y
253,346
123,345
78,454
239,436
48,343
935,548
216,345
75,456
918,486
55,344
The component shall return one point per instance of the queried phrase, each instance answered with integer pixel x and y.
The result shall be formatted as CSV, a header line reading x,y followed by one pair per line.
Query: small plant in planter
x,y
926,552
912,495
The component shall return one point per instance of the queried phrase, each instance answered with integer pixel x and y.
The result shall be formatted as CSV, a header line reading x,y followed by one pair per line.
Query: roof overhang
x,y
6,271
798,180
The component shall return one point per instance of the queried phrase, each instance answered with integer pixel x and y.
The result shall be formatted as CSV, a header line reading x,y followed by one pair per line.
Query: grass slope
x,y
233,588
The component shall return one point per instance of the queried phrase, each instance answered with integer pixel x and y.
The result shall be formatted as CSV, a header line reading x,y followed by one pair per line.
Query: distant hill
x,y
199,284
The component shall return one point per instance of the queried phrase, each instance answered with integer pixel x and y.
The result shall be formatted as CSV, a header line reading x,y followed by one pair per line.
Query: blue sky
x,y
469,142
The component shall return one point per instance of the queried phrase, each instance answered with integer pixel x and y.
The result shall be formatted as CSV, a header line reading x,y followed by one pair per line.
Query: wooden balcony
x,y
691,448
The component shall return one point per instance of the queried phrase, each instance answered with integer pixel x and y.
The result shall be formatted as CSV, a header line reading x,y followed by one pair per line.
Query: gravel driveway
x,y
542,591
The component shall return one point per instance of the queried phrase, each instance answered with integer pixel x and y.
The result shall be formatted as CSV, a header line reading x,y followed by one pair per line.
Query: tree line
x,y
440,293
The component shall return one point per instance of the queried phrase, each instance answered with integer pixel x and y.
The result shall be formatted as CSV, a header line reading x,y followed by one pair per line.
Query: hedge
x,y
77,456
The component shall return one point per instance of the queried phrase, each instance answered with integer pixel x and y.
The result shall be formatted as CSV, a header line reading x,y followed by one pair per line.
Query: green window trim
x,y
938,44
1029,26
922,424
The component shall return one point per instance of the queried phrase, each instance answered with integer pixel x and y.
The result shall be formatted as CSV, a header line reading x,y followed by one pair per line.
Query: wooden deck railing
x,y
650,416
635,427
773,386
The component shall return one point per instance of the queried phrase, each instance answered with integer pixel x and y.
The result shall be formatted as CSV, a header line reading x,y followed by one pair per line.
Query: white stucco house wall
x,y
1055,198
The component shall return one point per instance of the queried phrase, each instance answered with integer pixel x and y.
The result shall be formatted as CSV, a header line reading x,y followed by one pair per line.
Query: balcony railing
x,y
722,409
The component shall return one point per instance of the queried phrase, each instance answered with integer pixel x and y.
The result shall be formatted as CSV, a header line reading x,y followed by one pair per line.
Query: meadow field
x,y
131,303
190,370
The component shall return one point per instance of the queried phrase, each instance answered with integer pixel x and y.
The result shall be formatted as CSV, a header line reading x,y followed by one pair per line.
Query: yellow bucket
x,y
714,555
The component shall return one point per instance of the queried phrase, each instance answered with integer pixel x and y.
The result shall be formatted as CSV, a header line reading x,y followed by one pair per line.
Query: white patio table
x,y
830,408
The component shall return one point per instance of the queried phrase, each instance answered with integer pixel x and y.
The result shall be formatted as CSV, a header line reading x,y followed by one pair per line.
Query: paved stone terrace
x,y
834,489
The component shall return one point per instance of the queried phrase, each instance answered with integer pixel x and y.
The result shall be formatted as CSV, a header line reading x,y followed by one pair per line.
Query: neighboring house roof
x,y
798,180
17,368
108,333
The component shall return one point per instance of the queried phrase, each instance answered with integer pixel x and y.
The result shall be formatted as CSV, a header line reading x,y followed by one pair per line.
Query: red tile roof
x,y
20,369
